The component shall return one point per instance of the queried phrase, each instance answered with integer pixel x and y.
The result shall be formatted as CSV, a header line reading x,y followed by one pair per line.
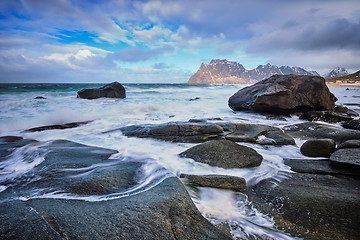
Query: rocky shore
x,y
319,199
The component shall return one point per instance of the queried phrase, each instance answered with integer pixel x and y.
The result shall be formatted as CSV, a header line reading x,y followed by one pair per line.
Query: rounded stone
x,y
318,147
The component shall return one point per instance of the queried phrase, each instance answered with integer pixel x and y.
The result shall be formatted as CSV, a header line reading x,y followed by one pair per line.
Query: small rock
x,y
217,181
40,97
58,126
318,147
224,154
193,99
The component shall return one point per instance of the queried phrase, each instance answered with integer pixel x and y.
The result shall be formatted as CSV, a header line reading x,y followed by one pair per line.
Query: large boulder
x,y
224,154
112,90
311,206
285,94
175,131
77,192
347,155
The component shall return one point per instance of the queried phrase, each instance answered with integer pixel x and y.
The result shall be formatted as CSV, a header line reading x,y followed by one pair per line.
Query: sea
x,y
149,104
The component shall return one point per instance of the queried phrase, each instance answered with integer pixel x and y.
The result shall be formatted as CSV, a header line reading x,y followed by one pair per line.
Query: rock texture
x,y
284,95
217,181
347,155
176,131
311,130
318,147
312,206
112,90
164,211
223,71
224,154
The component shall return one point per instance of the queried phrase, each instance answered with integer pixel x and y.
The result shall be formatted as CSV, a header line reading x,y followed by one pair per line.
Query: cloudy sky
x,y
165,41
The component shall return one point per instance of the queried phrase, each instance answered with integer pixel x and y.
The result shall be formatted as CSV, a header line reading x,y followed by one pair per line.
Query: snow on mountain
x,y
337,72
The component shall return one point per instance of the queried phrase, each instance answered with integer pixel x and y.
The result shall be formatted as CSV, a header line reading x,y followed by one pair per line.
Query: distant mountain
x,y
223,71
350,78
337,72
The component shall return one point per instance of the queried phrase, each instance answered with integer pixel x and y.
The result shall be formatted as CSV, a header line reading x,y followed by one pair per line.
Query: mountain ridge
x,y
222,71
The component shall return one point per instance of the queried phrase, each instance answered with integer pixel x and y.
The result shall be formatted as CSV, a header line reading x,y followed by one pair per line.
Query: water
x,y
145,104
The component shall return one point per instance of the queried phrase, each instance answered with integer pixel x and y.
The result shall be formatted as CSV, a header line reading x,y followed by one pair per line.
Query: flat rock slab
x,y
323,166
347,155
176,131
256,133
224,154
217,181
311,130
104,199
57,126
312,206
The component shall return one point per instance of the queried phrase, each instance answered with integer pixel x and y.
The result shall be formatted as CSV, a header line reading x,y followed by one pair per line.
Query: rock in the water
x,y
112,90
311,130
325,116
39,97
312,206
347,155
318,147
176,131
94,197
323,166
350,144
256,133
58,126
284,95
351,124
217,181
224,154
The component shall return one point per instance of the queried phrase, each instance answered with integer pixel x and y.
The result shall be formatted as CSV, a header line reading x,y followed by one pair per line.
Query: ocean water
x,y
145,104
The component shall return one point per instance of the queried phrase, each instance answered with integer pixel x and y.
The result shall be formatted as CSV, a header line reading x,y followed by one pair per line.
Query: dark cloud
x,y
137,54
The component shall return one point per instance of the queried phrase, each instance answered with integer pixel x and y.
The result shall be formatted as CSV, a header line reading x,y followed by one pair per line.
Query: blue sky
x,y
78,41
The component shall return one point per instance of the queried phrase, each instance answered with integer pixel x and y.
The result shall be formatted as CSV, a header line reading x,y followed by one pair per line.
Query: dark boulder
x,y
217,181
224,154
104,199
318,147
284,94
176,131
325,116
256,133
57,126
311,206
312,130
39,97
112,90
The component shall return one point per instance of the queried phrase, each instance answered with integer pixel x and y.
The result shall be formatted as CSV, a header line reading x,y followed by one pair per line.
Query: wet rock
x,y
193,99
351,124
325,116
311,206
350,144
176,131
284,94
323,166
224,154
311,130
346,110
164,211
39,97
217,181
256,133
347,155
112,90
57,126
318,147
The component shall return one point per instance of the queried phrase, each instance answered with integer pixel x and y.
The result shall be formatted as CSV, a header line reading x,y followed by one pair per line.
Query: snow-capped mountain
x,y
223,71
337,72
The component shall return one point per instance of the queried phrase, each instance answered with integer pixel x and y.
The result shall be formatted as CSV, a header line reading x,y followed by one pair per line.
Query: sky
x,y
164,41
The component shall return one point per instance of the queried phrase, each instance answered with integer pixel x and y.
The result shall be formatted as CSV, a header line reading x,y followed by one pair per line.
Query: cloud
x,y
161,65
137,54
